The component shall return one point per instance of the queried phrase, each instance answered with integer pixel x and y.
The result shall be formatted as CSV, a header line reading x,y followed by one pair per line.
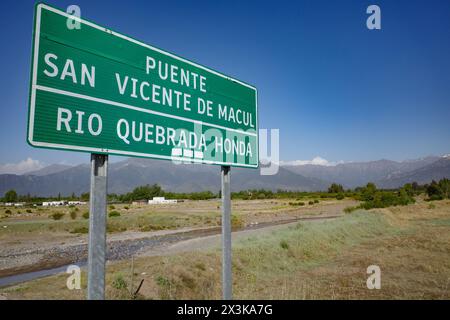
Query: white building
x,y
14,204
161,200
75,203
53,203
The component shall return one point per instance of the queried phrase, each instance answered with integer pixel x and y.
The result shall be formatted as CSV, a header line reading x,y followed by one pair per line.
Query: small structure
x,y
139,202
75,203
14,204
54,203
161,200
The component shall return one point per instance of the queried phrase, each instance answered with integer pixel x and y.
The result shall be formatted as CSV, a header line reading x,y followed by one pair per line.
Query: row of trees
x,y
374,198
13,196
138,193
150,191
369,194
279,194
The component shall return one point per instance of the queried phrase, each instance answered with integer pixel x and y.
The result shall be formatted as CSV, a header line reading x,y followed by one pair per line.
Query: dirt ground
x,y
34,241
321,259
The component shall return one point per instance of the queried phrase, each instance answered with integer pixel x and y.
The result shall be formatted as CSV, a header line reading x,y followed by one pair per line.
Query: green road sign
x,y
96,90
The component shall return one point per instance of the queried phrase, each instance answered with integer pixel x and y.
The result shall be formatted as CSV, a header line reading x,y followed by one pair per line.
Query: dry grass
x,y
37,226
315,260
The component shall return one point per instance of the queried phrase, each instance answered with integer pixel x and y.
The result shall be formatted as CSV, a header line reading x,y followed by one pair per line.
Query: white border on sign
x,y
35,87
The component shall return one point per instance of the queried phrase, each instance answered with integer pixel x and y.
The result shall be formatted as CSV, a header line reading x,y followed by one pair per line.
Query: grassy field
x,y
310,260
17,222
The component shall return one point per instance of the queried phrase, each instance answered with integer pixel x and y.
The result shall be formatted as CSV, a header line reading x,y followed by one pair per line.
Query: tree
x,y
408,188
368,192
336,188
434,191
146,192
85,196
444,185
11,196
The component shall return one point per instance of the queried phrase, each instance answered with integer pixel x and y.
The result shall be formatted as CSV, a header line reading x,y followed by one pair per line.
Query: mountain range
x,y
125,175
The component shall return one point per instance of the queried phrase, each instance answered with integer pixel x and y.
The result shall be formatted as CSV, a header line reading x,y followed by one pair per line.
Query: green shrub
x,y
163,282
80,230
114,227
111,207
71,206
438,190
350,209
301,203
146,228
73,214
126,207
114,214
435,197
201,266
311,202
316,201
29,211
340,196
57,215
284,244
86,215
8,211
119,282
236,222
335,188
384,199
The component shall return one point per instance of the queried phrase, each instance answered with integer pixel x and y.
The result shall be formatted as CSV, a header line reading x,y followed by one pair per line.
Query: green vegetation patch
x,y
81,230
441,222
308,243
57,215
114,214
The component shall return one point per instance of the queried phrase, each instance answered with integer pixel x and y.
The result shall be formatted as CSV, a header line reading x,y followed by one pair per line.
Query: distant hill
x,y
53,168
125,175
434,171
74,179
355,174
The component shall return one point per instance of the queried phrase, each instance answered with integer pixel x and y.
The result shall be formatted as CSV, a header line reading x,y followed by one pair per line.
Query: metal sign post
x,y
97,227
227,283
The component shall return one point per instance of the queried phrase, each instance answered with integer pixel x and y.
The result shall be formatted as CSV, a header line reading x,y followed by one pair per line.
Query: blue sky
x,y
334,88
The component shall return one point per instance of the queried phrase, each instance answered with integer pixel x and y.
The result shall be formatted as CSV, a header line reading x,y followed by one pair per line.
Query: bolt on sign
x,y
99,91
